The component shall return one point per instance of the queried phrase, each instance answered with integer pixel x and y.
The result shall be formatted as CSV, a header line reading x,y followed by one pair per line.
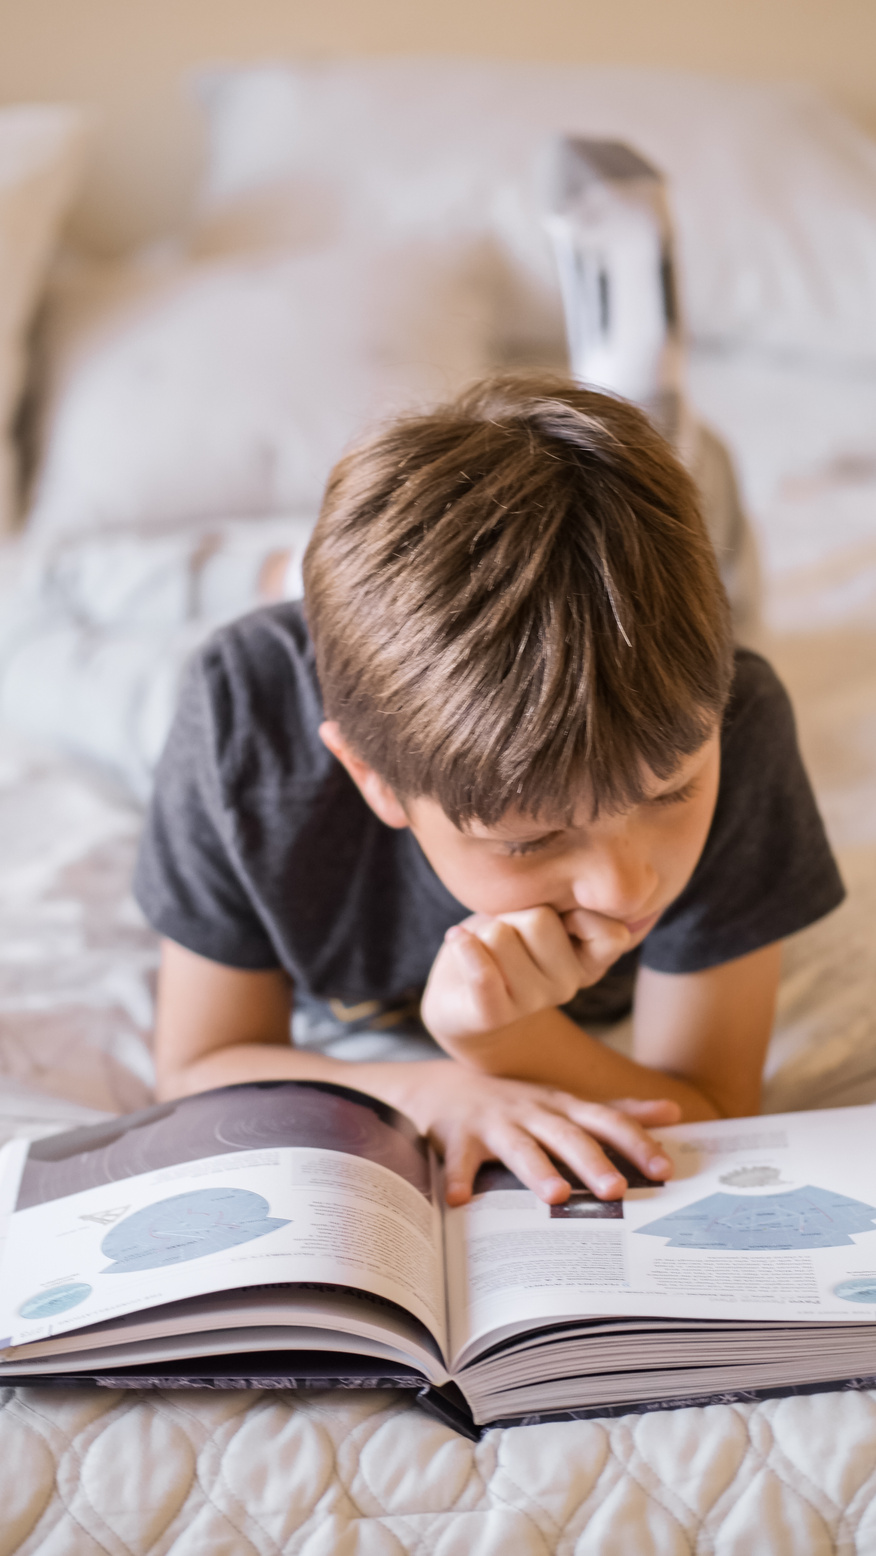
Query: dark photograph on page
x,y
263,1115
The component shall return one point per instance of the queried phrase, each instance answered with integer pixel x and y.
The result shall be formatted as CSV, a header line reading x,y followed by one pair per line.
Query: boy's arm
x,y
699,1039
218,1026
711,1027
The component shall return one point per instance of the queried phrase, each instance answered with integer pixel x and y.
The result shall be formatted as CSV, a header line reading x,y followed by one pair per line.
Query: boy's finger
x,y
655,1111
482,974
549,947
581,1152
598,942
522,1154
527,985
623,1132
462,1158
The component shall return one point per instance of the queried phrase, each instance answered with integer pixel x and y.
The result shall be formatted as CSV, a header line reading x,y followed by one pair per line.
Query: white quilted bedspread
x,y
356,1474
367,1475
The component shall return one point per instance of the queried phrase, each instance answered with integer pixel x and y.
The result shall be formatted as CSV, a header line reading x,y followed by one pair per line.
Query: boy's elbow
x,y
728,1102
178,1076
176,1081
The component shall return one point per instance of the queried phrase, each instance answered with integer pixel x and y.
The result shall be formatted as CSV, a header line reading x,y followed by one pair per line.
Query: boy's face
x,y
627,867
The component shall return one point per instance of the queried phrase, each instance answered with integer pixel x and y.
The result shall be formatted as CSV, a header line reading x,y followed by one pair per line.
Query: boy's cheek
x,y
490,886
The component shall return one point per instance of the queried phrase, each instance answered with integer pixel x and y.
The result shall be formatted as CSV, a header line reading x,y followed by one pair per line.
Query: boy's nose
x,y
618,884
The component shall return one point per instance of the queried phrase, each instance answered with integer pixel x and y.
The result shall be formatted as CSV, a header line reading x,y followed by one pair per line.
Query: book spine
x,y
449,1412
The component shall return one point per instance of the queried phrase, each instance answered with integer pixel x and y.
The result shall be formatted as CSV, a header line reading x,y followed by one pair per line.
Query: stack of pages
x,y
294,1234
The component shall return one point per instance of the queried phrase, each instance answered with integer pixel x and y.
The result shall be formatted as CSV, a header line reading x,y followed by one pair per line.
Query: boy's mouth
x,y
639,926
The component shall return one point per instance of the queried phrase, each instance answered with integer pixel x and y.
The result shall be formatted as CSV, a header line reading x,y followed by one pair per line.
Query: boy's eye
x,y
531,846
678,796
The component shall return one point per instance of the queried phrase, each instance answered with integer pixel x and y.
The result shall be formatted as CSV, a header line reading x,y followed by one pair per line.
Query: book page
x,y
207,1194
765,1218
279,1313
220,1343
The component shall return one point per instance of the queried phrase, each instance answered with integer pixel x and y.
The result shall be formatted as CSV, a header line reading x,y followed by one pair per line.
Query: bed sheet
x,y
356,1473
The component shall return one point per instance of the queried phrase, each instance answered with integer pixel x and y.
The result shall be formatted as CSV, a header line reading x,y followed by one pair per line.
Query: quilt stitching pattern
x,y
277,1474
208,1477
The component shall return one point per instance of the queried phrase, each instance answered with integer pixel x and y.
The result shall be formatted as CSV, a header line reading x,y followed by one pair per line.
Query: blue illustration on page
x,y
801,1218
187,1226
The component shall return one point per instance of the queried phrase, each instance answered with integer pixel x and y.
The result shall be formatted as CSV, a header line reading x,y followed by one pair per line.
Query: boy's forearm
x,y
397,1084
553,1050
224,1026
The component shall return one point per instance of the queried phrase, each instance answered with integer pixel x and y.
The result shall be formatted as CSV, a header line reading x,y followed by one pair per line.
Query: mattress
x,y
362,1473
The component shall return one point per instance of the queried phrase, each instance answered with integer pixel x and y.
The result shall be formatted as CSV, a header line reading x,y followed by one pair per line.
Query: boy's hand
x,y
491,972
473,1118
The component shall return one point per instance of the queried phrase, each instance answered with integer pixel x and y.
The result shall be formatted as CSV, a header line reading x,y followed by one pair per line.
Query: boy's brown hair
x,y
515,604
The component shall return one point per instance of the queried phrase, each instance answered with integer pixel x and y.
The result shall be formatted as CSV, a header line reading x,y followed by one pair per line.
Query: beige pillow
x,y
41,157
226,388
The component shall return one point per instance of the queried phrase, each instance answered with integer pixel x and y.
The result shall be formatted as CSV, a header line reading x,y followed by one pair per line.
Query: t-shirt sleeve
x,y
767,870
187,880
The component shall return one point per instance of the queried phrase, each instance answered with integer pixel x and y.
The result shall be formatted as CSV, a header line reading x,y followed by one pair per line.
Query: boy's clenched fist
x,y
491,972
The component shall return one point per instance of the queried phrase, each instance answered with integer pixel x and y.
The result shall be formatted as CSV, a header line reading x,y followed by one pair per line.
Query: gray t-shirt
x,y
260,852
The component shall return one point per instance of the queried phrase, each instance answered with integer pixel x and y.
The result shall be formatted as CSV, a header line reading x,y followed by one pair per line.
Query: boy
x,y
504,754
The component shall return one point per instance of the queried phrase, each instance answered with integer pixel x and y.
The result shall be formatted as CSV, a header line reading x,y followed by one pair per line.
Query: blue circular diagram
x,y
47,1303
186,1226
808,1217
861,1290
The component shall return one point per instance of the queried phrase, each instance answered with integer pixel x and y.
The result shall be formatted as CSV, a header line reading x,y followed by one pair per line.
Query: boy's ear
x,y
378,794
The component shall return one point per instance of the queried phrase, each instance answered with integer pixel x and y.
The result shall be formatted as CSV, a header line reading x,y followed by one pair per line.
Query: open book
x,y
294,1234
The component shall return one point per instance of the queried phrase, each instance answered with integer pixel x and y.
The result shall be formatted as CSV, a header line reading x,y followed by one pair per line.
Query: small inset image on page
x,y
258,1116
584,1207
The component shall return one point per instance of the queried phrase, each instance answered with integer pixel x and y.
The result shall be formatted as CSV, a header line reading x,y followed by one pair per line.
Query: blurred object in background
x,y
612,233
42,154
95,634
612,236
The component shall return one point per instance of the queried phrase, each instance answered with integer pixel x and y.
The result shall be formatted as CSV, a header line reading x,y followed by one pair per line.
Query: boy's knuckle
x,y
566,1128
503,935
484,1005
577,1107
601,1116
566,988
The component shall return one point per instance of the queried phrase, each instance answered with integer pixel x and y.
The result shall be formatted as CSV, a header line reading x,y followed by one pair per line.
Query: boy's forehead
x,y
518,825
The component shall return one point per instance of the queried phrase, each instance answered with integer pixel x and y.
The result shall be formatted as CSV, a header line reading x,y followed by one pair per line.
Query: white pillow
x,y
229,387
774,191
41,156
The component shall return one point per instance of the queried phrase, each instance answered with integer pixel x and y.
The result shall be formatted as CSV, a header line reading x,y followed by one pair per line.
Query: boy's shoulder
x,y
766,870
758,732
257,657
258,850
256,684
755,686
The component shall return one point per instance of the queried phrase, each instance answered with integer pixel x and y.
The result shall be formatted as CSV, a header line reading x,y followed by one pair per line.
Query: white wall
x,y
128,58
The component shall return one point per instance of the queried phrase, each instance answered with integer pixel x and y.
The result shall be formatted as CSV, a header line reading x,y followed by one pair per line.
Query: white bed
x,y
368,1474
